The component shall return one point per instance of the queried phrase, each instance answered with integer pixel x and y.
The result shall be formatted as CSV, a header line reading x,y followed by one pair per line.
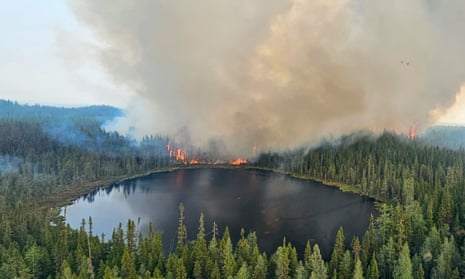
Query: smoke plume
x,y
276,74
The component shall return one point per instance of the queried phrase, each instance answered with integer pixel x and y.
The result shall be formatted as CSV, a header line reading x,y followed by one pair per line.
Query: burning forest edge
x,y
419,184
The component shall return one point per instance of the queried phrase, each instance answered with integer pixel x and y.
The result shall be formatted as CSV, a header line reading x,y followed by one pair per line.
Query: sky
x,y
47,57
247,74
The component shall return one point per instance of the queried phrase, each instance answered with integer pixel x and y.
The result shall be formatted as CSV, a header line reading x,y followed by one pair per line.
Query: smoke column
x,y
276,74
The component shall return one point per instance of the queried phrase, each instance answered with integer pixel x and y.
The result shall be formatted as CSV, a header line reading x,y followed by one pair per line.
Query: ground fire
x,y
180,156
239,161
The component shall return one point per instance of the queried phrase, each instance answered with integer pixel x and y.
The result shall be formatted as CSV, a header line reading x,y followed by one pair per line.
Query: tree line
x,y
419,232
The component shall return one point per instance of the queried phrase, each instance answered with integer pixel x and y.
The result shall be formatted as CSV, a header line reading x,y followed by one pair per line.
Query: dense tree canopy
x,y
419,232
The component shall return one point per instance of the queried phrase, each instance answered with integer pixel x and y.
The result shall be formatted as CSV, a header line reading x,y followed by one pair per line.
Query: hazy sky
x,y
47,57
272,73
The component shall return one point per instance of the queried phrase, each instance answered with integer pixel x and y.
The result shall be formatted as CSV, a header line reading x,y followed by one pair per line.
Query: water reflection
x,y
271,204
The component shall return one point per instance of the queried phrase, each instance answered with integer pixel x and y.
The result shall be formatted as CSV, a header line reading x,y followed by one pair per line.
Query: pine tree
x,y
131,236
318,265
408,189
156,251
368,242
338,251
128,269
243,250
197,269
345,269
445,207
243,272
446,260
358,270
228,258
403,267
373,271
356,248
65,272
182,231
420,274
200,252
260,270
108,273
282,262
308,257
386,259
213,271
180,269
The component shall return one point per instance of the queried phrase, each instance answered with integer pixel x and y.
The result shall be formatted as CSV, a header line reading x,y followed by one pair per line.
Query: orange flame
x,y
413,132
239,161
194,162
178,154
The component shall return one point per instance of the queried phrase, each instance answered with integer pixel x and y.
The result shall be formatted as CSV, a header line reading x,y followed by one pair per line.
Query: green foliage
x,y
358,271
318,265
338,252
403,267
423,212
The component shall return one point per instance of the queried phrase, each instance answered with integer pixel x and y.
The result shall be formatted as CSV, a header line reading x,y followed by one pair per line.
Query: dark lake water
x,y
271,204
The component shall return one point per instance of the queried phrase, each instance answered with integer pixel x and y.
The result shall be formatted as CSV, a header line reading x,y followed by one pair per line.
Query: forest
x,y
45,153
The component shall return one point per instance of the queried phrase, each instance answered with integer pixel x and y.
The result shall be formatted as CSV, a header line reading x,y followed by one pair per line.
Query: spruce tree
x,y
182,231
403,267
128,269
318,265
338,251
373,271
358,270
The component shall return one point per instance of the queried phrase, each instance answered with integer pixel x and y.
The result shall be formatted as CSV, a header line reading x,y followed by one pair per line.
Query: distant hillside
x,y
81,126
452,137
14,110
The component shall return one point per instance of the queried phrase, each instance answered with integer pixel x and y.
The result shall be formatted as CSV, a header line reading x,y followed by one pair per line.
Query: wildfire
x,y
178,154
413,132
239,161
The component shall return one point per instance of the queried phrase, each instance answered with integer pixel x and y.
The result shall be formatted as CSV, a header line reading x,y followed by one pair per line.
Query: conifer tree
x,y
108,273
338,251
308,257
182,231
318,265
373,271
229,262
200,252
403,267
128,269
261,270
358,270
282,262
243,272
345,269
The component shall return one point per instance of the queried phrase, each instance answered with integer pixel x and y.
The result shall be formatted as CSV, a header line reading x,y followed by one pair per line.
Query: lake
x,y
273,205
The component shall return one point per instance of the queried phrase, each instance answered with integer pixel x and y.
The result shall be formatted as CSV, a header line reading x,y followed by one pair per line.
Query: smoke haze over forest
x,y
276,74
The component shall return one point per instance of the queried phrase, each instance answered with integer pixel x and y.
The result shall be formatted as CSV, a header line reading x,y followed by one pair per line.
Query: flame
x,y
178,154
194,162
413,132
239,161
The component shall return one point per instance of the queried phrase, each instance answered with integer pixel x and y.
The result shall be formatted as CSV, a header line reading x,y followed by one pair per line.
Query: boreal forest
x,y
49,156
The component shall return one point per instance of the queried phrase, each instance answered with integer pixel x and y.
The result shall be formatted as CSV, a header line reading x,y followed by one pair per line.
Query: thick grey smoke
x,y
275,74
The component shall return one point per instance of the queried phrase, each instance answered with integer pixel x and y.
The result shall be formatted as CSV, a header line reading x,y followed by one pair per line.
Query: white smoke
x,y
276,74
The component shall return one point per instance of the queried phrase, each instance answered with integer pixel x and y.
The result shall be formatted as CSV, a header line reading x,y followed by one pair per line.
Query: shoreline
x,y
73,192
